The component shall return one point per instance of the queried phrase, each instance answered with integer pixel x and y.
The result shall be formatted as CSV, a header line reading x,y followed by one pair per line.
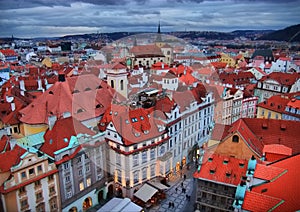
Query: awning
x,y
158,185
145,192
120,205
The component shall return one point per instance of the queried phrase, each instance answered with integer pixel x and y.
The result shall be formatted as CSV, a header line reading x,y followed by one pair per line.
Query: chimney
x,y
13,106
61,76
22,87
39,81
51,121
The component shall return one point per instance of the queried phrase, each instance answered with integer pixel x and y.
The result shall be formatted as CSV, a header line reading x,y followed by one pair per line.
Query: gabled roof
x,y
61,133
277,149
275,103
221,169
8,52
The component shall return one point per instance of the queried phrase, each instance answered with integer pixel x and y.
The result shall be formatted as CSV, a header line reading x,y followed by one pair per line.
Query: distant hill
x,y
290,34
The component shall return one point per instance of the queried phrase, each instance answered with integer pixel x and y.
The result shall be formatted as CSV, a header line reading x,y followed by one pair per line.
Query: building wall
x,y
29,129
234,149
268,114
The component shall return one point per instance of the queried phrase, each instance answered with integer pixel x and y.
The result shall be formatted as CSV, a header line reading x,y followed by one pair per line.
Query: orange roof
x,y
11,158
133,125
259,202
160,66
84,96
275,103
55,138
278,149
286,187
8,52
282,78
267,172
215,169
146,50
259,132
4,143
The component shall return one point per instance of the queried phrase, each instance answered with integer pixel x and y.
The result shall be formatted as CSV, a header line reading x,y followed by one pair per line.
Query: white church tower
x,y
117,78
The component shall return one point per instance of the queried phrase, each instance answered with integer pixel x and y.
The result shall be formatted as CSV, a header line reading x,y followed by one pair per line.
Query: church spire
x,y
158,29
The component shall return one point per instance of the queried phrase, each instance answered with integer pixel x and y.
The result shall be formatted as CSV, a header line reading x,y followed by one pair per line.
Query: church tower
x,y
117,79
158,40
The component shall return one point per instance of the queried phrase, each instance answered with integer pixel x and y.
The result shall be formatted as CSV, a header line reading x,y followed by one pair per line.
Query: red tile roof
x,y
229,173
275,103
55,139
219,132
259,202
160,66
239,78
286,187
146,51
8,52
269,173
133,125
278,149
11,158
282,78
79,95
259,132
4,143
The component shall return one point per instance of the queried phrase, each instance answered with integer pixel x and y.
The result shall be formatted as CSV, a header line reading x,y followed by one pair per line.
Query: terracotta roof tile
x,y
217,170
59,138
267,172
259,202
11,158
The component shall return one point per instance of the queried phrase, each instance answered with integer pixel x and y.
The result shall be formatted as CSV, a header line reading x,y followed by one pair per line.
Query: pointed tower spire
x,y
158,29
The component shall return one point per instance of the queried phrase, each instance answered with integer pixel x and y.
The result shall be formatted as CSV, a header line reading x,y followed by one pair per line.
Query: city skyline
x,y
58,18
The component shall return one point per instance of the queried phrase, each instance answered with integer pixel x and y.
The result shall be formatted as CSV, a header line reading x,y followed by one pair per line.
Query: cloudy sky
x,y
36,18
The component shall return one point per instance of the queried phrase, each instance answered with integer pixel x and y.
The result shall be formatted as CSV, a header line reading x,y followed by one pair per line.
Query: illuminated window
x,y
81,186
88,182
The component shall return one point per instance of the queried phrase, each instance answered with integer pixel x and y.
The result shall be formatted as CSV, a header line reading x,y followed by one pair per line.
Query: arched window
x,y
122,84
235,138
112,84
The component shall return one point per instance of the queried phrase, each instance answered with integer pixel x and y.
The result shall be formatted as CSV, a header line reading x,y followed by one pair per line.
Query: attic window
x,y
212,171
137,134
282,126
51,92
241,164
126,121
141,117
272,104
76,91
87,89
146,132
65,140
225,161
264,190
116,113
228,174
264,126
210,159
134,120
80,110
235,138
99,106
51,141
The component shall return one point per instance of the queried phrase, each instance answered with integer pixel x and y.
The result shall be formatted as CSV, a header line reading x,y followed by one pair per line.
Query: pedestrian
x,y
173,205
187,196
170,204
184,190
184,177
181,184
176,190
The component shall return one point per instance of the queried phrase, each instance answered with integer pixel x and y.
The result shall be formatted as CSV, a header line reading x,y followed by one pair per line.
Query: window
x,y
144,173
136,177
88,182
235,138
69,194
79,159
152,170
52,190
112,84
37,183
39,196
81,186
24,203
23,174
53,203
51,177
134,120
22,190
87,167
39,168
152,154
67,178
66,165
31,171
118,159
144,157
135,160
122,84
162,150
80,172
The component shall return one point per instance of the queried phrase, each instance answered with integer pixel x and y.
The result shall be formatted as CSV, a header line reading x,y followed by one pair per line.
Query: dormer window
x,y
126,121
141,117
134,120
80,110
146,132
99,106
137,134
87,89
76,91
51,92
235,138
